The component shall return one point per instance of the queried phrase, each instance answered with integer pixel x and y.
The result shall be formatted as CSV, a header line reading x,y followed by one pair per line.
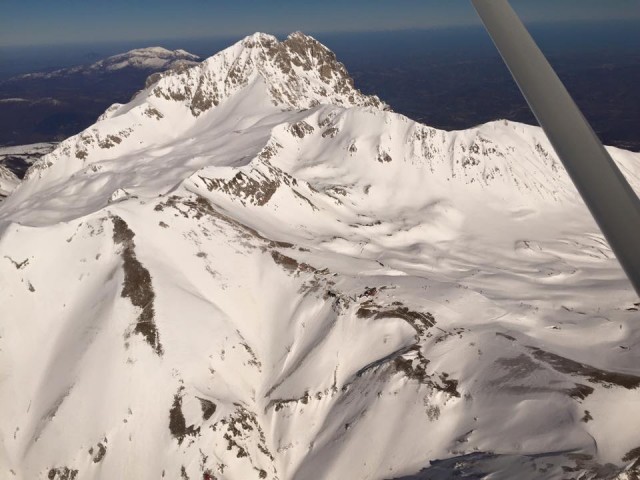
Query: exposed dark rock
x,y
270,151
137,286
208,475
254,360
98,453
504,335
256,191
580,392
109,141
200,207
587,416
153,113
301,129
177,423
384,157
153,78
203,101
279,404
18,265
291,264
62,473
632,455
593,374
330,132
419,321
449,385
208,408
409,361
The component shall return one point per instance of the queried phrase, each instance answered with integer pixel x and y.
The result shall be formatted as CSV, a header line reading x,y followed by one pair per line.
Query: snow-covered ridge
x,y
150,58
252,270
298,73
259,77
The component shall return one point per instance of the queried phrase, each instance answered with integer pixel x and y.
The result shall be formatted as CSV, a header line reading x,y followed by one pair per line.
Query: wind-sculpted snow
x,y
274,288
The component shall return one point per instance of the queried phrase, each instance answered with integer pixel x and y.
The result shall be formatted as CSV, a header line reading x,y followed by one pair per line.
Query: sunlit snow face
x,y
305,291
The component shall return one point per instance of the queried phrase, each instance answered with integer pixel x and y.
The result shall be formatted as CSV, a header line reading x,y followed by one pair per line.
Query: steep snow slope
x,y
252,270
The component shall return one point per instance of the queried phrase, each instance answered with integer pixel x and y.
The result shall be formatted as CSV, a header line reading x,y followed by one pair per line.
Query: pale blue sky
x,y
37,22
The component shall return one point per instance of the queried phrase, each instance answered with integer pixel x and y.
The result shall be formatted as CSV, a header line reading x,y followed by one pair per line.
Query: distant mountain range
x,y
451,80
50,106
145,59
252,270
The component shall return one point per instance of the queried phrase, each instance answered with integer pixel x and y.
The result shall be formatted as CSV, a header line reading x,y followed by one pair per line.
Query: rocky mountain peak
x,y
298,72
306,52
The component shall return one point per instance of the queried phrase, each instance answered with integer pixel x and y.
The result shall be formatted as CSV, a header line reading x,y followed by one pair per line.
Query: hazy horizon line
x,y
473,25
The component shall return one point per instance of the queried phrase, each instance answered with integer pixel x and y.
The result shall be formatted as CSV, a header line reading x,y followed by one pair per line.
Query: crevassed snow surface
x,y
252,270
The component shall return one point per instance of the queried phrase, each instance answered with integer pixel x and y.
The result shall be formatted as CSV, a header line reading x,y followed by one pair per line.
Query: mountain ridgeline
x,y
254,270
51,106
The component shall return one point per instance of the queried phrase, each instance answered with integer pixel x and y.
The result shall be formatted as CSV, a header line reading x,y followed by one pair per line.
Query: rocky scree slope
x,y
252,270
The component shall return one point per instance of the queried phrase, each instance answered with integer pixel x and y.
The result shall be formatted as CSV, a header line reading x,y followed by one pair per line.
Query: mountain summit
x,y
298,73
253,270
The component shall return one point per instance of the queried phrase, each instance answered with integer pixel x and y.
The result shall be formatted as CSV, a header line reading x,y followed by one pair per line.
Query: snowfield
x,y
252,270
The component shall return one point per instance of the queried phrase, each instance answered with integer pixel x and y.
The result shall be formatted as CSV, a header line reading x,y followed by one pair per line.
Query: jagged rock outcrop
x,y
299,72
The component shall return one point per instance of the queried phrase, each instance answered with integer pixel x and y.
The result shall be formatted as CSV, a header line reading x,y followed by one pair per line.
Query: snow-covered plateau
x,y
253,270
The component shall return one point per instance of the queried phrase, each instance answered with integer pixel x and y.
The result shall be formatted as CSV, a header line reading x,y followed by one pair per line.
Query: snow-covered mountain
x,y
150,58
253,270
51,106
